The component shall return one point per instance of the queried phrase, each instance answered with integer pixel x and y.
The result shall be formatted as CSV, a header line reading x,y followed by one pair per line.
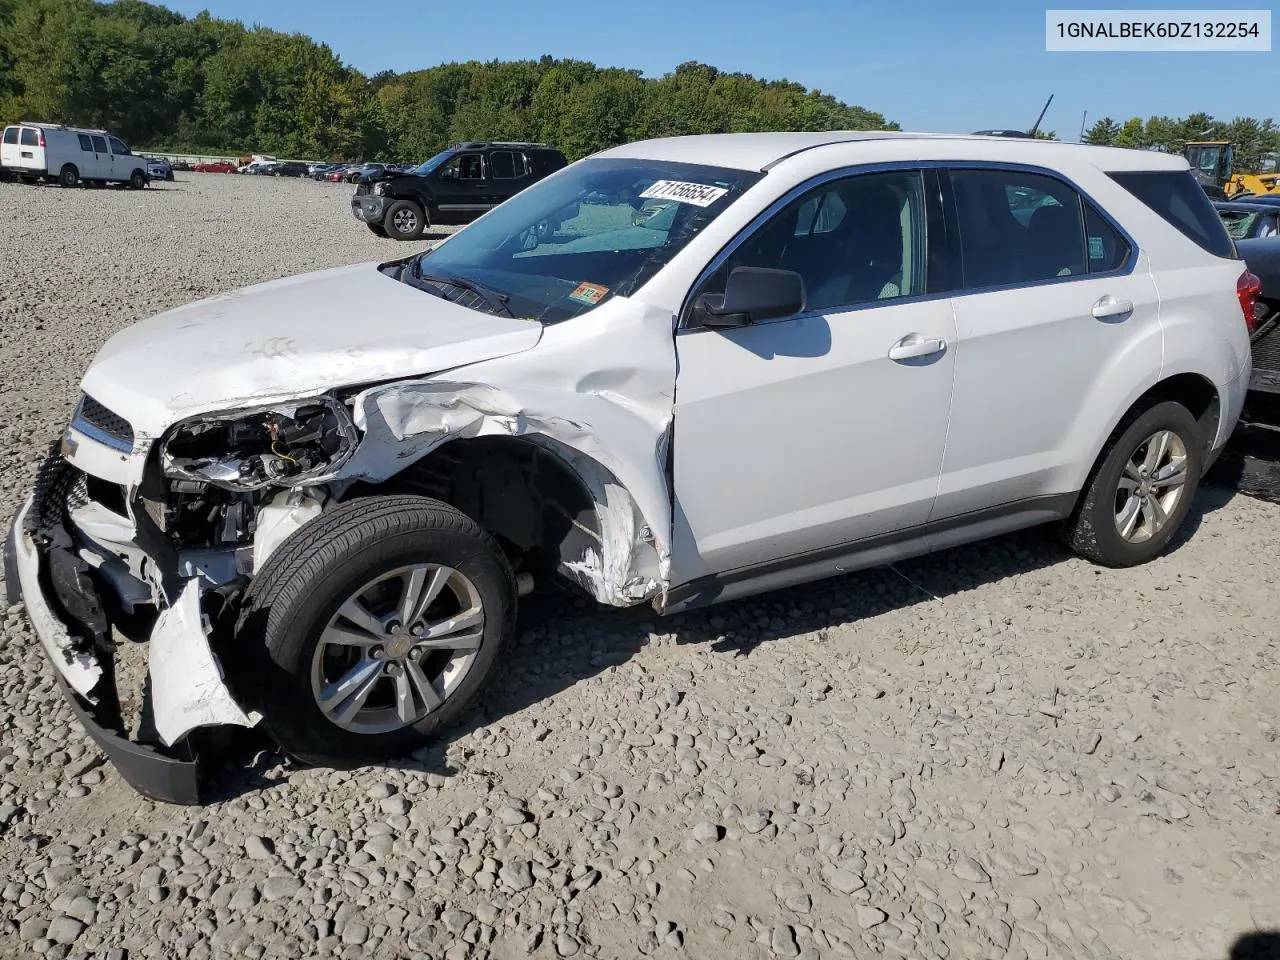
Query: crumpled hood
x,y
287,339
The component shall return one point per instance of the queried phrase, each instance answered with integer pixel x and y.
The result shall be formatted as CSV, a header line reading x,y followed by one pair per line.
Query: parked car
x,y
800,362
317,171
287,168
454,186
215,166
339,174
1263,259
50,151
159,168
364,172
257,167
1247,221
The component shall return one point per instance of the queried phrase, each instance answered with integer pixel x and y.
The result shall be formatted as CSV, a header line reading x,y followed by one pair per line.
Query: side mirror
x,y
752,295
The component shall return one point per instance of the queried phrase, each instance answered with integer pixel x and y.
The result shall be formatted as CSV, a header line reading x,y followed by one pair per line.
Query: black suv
x,y
454,186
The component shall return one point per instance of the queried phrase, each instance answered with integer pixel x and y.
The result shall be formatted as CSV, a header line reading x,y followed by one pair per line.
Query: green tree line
x,y
201,84
1251,139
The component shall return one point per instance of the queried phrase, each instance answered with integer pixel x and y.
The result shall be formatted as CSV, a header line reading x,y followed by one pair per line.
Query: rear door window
x,y
1180,201
506,164
30,137
1017,227
10,134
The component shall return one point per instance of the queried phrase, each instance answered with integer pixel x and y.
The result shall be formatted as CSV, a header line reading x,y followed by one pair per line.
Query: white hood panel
x,y
287,339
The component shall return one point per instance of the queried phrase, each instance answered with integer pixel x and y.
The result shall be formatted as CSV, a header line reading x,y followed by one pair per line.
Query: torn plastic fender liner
x,y
403,422
187,686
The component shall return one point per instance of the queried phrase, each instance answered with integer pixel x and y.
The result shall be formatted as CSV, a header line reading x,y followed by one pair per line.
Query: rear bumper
x,y
64,603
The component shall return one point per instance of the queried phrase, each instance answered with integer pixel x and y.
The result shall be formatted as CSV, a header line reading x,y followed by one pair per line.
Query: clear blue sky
x,y
933,65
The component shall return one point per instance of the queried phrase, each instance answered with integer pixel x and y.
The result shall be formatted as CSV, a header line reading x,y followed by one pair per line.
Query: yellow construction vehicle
x,y
1211,164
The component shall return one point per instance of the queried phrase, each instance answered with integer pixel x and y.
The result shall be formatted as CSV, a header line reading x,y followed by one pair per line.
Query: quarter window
x,y
854,241
1107,249
1017,227
85,143
1176,197
30,138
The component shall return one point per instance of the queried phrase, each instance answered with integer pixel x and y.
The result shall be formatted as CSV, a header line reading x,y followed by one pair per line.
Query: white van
x,y
70,155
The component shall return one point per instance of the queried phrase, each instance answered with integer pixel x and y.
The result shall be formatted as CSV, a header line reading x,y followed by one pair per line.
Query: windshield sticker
x,y
588,293
699,194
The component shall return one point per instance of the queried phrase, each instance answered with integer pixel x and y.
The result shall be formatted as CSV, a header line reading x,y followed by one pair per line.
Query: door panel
x,y
101,158
799,434
803,434
1042,364
462,188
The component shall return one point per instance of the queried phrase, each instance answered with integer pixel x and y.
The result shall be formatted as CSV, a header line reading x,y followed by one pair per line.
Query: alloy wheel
x,y
1151,486
397,648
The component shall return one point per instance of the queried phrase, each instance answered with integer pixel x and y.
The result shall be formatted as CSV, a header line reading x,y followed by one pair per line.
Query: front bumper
x,y
369,208
65,604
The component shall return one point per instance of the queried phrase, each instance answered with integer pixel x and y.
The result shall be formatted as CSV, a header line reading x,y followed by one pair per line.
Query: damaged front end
x,y
91,581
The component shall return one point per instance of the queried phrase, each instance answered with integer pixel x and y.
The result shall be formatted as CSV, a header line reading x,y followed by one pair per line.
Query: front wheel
x,y
404,220
377,625
137,180
1141,490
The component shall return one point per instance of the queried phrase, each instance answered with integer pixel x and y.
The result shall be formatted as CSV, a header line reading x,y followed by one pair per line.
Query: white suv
x,y
677,372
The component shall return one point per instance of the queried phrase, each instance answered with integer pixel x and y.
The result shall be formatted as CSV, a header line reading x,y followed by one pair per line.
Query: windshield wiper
x,y
432,283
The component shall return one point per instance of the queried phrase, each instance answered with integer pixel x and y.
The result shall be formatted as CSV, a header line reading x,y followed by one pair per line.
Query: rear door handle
x,y
913,346
1109,307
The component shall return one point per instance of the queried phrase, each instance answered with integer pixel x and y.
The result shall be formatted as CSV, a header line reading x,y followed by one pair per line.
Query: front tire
x,y
1141,489
404,220
376,625
137,180
69,176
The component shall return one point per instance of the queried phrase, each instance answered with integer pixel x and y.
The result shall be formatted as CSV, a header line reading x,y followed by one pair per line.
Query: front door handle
x,y
913,346
1110,307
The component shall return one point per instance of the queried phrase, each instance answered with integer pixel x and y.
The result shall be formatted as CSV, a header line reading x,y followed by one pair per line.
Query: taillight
x,y
1248,289
41,143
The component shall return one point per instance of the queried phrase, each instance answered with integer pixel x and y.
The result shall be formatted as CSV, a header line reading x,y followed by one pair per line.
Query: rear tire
x,y
365,553
405,220
1140,489
69,176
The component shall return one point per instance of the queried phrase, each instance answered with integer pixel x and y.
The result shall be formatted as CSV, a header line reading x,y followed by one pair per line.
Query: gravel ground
x,y
996,752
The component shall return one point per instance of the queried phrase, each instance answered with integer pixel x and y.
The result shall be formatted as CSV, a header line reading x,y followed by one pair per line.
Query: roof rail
x,y
41,123
478,144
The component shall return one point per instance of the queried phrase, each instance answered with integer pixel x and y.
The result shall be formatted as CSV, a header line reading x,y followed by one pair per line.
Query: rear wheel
x,y
69,176
1142,488
377,624
404,220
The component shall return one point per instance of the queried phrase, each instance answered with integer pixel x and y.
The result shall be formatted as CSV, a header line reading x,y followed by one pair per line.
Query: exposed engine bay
x,y
268,446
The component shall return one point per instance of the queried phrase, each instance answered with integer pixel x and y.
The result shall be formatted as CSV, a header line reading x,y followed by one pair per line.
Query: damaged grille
x,y
95,420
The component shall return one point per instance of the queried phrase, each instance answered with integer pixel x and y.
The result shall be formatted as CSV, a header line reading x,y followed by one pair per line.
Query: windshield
x,y
422,169
599,229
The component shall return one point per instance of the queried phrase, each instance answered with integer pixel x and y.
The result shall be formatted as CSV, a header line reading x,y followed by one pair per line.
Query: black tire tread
x,y
1079,532
385,513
